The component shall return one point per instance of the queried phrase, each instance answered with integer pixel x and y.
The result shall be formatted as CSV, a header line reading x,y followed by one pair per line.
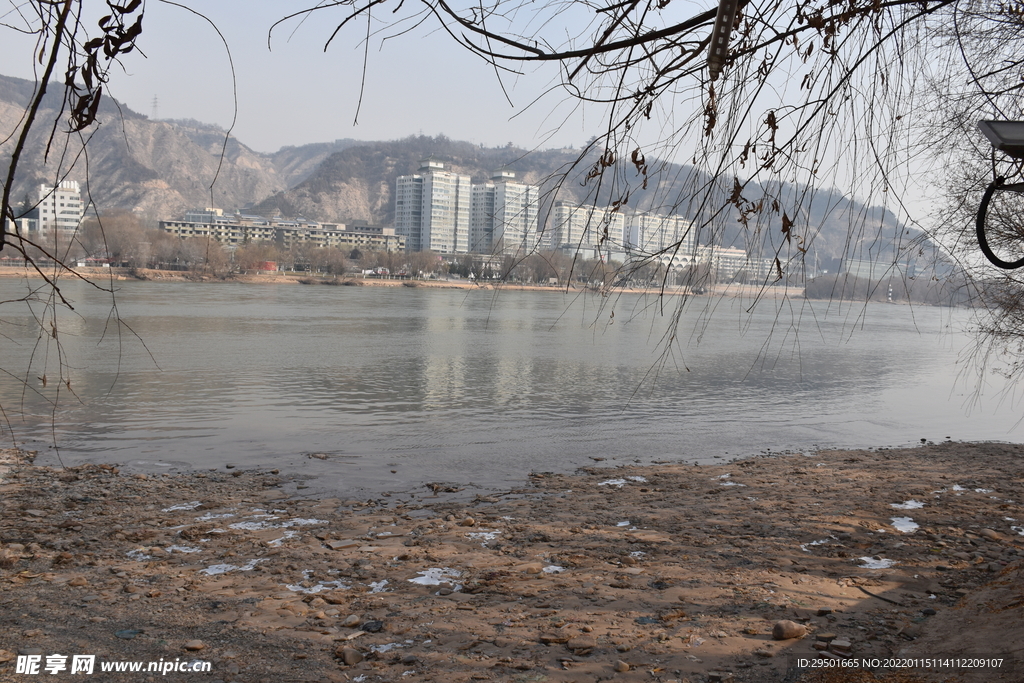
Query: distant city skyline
x,y
297,93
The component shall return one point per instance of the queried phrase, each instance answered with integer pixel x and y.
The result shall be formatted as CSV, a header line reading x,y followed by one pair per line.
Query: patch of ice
x,y
618,483
318,588
983,490
209,515
804,547
276,543
872,563
722,476
638,479
359,679
257,526
485,535
958,487
139,554
385,647
905,524
624,522
730,483
225,568
1018,529
182,549
303,522
553,569
1009,519
435,576
637,554
183,506
378,586
907,505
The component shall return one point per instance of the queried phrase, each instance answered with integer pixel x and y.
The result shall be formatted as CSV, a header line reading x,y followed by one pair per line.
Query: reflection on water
x,y
469,386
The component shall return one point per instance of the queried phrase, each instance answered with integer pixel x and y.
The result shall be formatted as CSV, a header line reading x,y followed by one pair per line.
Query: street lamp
x,y
1007,137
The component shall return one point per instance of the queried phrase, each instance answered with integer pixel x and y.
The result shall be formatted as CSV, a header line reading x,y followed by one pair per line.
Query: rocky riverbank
x,y
665,573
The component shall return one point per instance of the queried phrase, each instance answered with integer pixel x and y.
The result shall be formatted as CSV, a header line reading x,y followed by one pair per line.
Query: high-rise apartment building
x,y
432,209
584,227
60,209
503,216
657,234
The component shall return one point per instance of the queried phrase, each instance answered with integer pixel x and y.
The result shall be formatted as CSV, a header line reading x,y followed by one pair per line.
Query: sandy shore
x,y
663,573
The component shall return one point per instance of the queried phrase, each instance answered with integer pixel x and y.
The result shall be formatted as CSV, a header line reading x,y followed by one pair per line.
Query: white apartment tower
x,y
503,216
584,227
656,234
432,209
60,208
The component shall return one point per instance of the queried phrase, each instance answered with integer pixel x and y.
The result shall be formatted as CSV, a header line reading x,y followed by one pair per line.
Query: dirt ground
x,y
662,573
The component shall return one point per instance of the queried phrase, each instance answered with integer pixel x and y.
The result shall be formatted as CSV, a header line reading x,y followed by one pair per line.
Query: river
x,y
473,387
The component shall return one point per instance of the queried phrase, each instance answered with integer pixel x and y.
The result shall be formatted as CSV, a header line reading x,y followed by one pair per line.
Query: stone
x,y
336,598
824,611
554,638
341,545
351,621
824,636
719,676
468,521
991,535
79,581
840,645
581,645
785,629
373,626
6,656
621,666
349,655
195,645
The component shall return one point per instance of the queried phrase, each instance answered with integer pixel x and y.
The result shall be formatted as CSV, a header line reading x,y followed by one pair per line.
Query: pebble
x,y
341,545
840,645
372,626
349,655
195,645
785,629
990,535
719,676
78,581
351,621
581,644
468,521
621,666
6,656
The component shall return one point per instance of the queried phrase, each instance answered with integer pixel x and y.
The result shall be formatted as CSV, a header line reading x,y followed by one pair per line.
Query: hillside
x,y
156,168
161,168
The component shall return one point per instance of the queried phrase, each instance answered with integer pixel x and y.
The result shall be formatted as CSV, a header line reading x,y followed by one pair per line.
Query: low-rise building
x,y
239,229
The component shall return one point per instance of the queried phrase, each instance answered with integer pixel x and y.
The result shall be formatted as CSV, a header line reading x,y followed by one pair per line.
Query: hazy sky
x,y
297,93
